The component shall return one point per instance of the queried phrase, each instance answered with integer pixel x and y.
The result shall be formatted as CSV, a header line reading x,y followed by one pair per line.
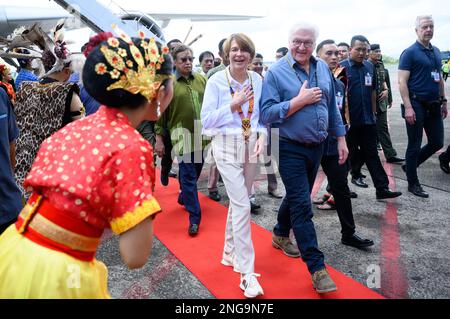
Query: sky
x,y
387,22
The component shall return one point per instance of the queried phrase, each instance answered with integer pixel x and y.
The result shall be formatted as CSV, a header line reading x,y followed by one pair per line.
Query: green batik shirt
x,y
380,75
182,116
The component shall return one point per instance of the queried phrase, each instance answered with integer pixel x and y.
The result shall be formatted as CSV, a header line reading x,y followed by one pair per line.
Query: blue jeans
x,y
433,125
190,167
298,169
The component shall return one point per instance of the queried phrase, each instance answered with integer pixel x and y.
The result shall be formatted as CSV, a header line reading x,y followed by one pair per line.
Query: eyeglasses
x,y
184,60
306,44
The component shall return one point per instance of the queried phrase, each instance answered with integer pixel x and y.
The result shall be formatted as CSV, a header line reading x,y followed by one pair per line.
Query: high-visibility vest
x,y
445,68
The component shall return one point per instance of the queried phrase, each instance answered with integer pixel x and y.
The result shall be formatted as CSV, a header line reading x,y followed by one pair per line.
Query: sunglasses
x,y
184,60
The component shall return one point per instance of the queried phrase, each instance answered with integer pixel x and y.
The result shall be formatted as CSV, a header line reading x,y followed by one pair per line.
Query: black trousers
x,y
337,180
167,160
365,138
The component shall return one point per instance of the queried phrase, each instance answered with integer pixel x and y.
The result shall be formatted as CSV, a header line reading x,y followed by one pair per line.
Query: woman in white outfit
x,y
230,114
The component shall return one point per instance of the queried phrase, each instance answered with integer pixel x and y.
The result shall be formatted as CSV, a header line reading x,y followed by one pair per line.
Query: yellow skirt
x,y
31,271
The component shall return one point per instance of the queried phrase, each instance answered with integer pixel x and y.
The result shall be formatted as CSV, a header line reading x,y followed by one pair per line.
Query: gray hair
x,y
423,17
305,26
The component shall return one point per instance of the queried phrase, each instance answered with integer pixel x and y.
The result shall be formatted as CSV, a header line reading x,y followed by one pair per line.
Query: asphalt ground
x,y
410,257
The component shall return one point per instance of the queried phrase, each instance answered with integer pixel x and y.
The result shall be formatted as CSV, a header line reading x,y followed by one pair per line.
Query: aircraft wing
x,y
100,18
166,17
12,18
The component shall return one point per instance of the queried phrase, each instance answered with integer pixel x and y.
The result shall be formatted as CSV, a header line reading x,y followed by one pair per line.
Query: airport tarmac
x,y
410,257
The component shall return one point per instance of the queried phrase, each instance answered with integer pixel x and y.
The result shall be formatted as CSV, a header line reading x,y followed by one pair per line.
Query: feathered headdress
x,y
60,51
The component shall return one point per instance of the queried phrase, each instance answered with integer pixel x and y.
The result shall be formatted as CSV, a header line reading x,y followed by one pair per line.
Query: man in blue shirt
x,y
424,103
26,70
10,196
362,136
337,174
299,100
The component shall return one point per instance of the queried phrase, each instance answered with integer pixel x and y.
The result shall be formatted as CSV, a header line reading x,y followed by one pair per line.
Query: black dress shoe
x,y
356,241
215,196
164,178
387,193
418,191
193,230
395,160
353,195
359,182
443,164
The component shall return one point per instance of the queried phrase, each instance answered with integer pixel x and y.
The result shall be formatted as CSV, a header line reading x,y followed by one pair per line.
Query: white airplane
x,y
97,17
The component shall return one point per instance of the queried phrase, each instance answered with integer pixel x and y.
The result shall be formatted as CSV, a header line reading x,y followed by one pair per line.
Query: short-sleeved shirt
x,y
422,62
10,196
359,92
98,169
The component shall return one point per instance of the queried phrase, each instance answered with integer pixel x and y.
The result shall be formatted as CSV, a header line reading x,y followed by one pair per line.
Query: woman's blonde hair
x,y
244,43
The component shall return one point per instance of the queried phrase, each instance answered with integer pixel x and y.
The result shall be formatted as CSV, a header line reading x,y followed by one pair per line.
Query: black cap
x,y
374,47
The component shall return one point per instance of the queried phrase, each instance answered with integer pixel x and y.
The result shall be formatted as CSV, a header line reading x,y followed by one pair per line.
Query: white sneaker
x,y
251,286
230,260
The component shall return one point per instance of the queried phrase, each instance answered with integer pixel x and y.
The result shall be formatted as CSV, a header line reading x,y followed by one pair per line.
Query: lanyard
x,y
298,76
245,120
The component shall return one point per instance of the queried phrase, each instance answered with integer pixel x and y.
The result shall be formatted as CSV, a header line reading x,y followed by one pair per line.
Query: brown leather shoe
x,y
285,244
322,282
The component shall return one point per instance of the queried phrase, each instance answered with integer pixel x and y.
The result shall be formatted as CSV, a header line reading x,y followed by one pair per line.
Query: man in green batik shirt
x,y
182,120
384,101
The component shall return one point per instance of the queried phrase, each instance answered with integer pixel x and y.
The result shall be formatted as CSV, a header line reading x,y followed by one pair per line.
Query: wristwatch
x,y
443,99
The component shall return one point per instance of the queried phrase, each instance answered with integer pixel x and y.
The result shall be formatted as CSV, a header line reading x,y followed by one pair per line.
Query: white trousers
x,y
238,171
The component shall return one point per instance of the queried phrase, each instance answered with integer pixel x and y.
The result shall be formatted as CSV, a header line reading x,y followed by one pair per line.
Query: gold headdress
x,y
144,81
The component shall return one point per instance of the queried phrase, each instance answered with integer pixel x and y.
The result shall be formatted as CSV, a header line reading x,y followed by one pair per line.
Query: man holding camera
x,y
424,103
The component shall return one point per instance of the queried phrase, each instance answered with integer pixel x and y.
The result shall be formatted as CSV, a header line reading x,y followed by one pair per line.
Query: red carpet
x,y
281,277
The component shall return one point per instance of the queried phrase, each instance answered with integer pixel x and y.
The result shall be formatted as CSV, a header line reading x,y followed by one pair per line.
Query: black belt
x,y
307,145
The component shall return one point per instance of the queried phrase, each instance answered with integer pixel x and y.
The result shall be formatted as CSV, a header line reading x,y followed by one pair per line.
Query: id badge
x,y
339,101
368,80
436,76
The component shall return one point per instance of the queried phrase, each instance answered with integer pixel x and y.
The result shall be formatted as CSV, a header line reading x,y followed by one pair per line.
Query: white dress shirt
x,y
216,114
